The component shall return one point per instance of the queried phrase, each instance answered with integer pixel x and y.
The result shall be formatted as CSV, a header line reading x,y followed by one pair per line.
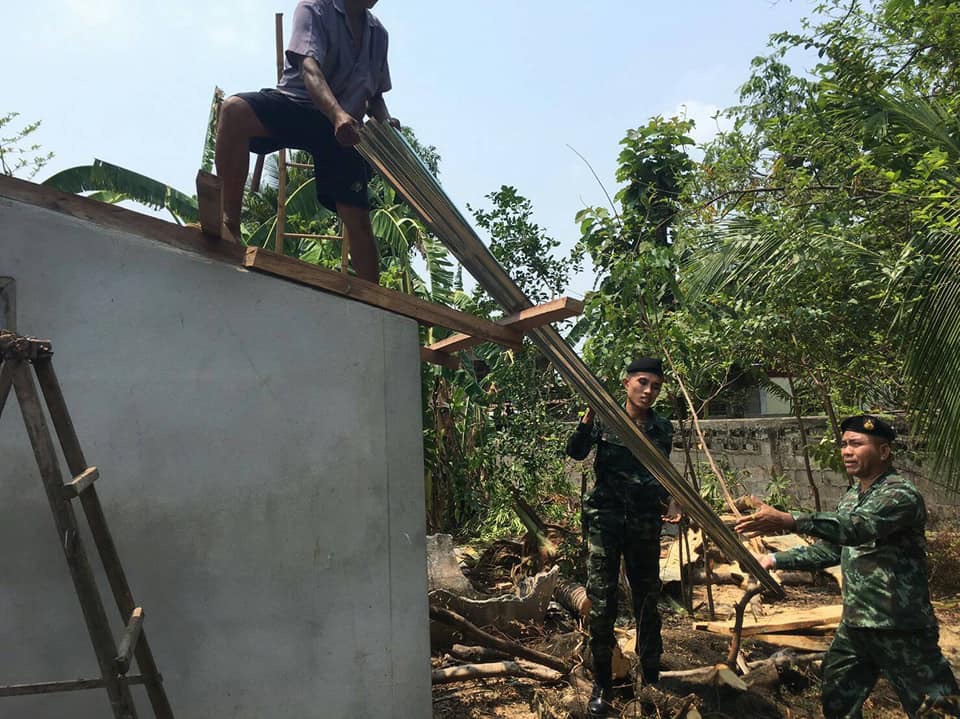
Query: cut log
x,y
467,672
573,597
477,655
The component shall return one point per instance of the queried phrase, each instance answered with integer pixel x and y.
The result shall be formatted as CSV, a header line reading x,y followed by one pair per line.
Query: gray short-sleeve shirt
x,y
321,31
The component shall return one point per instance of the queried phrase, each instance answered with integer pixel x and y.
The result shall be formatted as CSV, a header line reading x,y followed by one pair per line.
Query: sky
x,y
502,88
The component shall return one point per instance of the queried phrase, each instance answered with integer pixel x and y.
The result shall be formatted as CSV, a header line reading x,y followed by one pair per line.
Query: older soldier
x,y
623,515
335,72
877,537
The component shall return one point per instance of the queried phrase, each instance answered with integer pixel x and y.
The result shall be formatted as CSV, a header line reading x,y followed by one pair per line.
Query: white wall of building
x,y
260,452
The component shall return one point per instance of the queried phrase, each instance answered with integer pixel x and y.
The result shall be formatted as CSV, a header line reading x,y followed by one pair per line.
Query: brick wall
x,y
757,449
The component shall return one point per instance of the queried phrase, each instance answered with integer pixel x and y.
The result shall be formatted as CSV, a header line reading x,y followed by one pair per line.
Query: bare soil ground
x,y
796,697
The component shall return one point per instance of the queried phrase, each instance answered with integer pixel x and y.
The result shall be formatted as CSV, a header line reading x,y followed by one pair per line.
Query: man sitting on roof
x,y
335,72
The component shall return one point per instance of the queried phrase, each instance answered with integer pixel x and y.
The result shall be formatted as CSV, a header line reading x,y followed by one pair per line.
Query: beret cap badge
x,y
868,425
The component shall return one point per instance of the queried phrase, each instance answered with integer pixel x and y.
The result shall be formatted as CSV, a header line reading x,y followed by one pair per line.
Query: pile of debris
x,y
536,631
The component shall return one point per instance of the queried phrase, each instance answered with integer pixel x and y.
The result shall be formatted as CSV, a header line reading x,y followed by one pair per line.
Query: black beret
x,y
868,424
646,364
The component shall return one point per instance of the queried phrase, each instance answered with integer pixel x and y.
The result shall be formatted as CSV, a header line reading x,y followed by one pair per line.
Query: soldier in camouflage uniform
x,y
622,515
877,537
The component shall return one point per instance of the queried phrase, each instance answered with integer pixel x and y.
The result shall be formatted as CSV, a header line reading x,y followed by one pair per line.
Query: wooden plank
x,y
81,482
553,311
427,313
819,617
439,358
119,218
70,685
210,203
129,641
794,641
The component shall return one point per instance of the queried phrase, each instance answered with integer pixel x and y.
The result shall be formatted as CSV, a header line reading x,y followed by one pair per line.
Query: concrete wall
x,y
755,450
260,452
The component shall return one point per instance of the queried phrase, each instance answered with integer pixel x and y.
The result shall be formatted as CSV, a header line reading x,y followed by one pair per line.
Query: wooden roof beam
x,y
552,311
426,313
443,352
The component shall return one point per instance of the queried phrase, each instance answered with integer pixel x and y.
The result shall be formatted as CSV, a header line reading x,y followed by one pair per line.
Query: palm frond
x,y
123,184
210,139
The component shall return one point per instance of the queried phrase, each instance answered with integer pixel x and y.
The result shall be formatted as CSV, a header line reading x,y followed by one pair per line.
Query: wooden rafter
x,y
426,313
443,353
552,311
440,358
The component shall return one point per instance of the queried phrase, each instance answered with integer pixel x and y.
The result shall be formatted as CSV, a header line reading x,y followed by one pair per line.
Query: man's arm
x,y
377,109
887,509
581,441
813,556
345,128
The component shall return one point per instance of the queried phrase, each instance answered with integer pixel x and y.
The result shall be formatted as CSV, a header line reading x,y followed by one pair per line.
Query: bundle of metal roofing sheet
x,y
389,153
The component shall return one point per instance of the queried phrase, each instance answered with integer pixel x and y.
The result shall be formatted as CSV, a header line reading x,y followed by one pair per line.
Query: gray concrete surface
x,y
260,452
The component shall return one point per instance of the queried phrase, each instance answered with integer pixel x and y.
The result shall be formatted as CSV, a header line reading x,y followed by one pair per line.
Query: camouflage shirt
x,y
621,478
877,538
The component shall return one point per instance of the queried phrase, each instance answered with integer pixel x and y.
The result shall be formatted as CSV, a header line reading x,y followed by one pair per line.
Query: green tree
x,y
17,152
836,191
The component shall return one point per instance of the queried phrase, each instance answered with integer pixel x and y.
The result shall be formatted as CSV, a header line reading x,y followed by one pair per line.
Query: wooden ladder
x,y
17,355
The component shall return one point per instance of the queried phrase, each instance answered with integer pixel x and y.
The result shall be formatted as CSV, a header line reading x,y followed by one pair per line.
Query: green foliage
x,y
522,246
838,242
779,493
498,426
113,184
16,152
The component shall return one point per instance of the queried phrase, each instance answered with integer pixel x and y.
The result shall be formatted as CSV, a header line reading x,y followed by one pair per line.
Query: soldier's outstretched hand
x,y
673,514
766,520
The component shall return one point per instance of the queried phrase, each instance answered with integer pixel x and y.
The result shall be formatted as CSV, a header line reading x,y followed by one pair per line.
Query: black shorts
x,y
341,172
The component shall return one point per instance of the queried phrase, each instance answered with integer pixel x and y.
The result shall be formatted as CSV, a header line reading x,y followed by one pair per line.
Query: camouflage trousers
x,y
613,534
909,659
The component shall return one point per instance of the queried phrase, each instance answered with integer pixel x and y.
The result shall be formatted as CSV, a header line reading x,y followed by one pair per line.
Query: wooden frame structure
x,y
17,356
469,329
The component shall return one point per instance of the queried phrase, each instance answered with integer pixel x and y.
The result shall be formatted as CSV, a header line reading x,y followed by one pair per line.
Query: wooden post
x,y
708,576
281,153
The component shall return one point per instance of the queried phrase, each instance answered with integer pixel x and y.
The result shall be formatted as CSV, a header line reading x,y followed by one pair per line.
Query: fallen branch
x,y
467,628
699,673
741,607
477,655
494,669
